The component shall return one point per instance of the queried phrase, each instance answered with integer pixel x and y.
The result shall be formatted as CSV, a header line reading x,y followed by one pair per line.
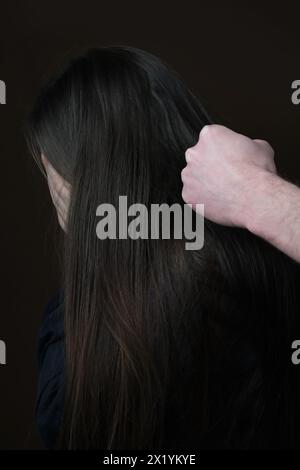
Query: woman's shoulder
x,y
49,405
52,327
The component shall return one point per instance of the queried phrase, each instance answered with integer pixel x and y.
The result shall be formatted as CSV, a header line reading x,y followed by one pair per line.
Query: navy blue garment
x,y
51,363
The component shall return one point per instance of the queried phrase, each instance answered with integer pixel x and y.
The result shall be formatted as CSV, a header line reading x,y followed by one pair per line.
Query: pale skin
x,y
59,192
235,178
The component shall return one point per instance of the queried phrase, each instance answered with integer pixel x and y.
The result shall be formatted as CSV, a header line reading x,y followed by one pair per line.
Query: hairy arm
x,y
235,178
274,214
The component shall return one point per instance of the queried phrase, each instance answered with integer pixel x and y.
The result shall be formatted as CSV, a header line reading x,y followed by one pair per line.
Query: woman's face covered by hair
x,y
164,347
60,191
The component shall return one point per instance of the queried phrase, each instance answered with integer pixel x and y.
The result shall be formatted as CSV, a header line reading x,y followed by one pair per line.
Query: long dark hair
x,y
164,347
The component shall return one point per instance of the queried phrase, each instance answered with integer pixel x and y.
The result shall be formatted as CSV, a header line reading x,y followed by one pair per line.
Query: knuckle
x,y
205,131
266,144
188,154
184,173
184,194
209,130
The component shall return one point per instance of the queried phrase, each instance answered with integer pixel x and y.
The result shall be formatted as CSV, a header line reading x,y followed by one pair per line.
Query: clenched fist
x,y
223,171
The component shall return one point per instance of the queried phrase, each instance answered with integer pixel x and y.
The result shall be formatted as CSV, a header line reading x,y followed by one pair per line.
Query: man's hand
x,y
222,172
59,191
235,178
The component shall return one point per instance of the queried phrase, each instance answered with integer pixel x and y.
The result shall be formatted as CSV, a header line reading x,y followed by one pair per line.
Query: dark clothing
x,y
51,361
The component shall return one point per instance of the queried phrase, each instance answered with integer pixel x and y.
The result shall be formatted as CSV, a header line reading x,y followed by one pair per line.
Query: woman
x,y
160,347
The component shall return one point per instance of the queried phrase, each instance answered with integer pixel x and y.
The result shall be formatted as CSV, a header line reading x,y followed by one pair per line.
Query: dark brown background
x,y
240,59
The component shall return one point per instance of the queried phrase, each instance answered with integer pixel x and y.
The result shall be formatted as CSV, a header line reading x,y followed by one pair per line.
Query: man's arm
x,y
235,178
274,214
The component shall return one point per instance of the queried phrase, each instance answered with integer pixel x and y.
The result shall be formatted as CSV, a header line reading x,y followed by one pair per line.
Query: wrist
x,y
263,209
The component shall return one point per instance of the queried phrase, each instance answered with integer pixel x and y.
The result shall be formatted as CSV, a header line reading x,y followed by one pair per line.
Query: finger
x,y
184,173
188,155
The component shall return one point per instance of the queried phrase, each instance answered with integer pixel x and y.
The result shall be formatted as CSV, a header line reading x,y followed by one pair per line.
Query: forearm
x,y
273,213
